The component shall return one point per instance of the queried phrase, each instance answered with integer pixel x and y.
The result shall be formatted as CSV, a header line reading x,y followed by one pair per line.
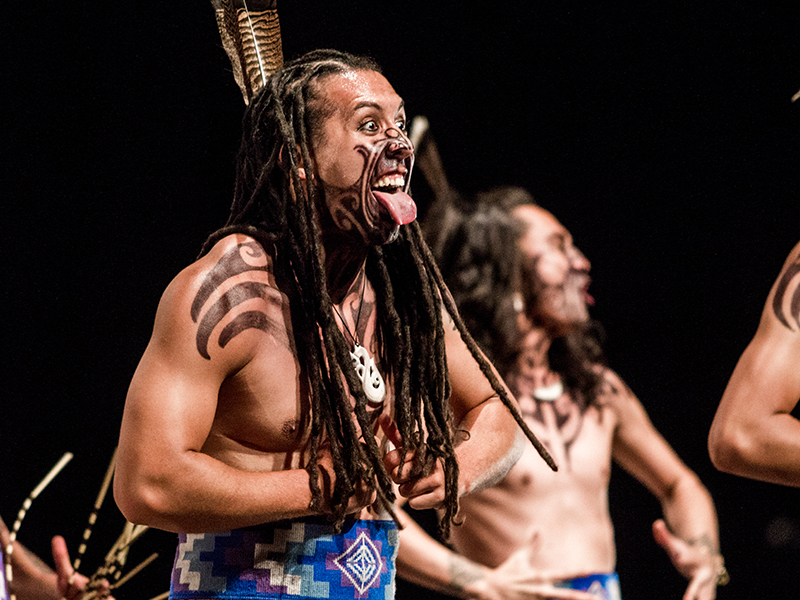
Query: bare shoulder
x,y
613,390
782,310
617,396
222,295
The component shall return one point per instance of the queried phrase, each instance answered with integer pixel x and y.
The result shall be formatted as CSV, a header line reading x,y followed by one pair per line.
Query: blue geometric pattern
x,y
604,586
288,560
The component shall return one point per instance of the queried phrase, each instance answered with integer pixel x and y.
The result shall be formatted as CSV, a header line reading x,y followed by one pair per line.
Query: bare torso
x,y
262,419
556,522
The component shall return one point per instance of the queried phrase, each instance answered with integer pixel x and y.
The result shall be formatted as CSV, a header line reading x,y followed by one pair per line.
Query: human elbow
x,y
142,501
496,471
729,448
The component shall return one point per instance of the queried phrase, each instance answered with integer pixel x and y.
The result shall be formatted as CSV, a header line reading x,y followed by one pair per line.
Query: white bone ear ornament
x,y
371,380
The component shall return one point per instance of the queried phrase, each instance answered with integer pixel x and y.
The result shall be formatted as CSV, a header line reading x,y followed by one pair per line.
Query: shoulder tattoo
x,y
246,257
790,278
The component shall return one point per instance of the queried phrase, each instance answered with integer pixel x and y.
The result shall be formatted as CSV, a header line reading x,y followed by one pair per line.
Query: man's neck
x,y
344,262
532,369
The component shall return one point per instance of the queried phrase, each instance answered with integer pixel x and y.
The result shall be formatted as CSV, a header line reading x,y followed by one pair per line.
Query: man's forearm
x,y
767,449
200,494
427,563
489,443
690,513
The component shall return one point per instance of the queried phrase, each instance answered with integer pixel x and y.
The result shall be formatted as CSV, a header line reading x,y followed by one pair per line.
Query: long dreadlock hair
x,y
476,246
273,205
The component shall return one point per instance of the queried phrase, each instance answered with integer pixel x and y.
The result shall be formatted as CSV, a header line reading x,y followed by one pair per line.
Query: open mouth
x,y
389,190
586,295
390,183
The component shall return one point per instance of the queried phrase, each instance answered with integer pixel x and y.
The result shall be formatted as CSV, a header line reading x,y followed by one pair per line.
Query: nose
x,y
579,261
399,146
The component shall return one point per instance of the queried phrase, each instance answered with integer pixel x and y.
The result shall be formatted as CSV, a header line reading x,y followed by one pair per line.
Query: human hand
x,y
32,578
522,586
363,496
72,585
422,490
517,579
698,563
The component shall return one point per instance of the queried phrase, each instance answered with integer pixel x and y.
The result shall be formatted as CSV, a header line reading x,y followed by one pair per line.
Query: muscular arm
x,y
488,440
753,433
690,535
495,441
163,477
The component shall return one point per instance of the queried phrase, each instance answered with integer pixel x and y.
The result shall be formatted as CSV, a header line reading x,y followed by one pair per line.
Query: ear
x,y
300,169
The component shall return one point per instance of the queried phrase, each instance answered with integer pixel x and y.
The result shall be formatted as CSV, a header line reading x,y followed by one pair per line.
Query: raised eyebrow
x,y
376,106
367,104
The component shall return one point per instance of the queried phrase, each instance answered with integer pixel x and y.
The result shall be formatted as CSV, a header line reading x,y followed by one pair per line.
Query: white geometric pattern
x,y
361,563
293,583
192,574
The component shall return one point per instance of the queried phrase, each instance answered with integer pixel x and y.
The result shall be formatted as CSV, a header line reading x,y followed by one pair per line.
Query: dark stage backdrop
x,y
661,134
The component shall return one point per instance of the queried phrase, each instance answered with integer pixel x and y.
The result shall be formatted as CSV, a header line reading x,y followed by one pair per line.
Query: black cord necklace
x,y
371,380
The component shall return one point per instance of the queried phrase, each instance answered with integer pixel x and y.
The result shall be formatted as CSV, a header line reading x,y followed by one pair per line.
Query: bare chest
x,y
580,441
264,412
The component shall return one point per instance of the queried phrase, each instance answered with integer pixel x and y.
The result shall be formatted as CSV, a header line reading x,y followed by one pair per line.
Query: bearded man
x,y
522,288
309,334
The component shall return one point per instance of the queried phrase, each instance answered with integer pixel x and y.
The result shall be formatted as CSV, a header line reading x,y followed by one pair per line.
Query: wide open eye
x,y
369,126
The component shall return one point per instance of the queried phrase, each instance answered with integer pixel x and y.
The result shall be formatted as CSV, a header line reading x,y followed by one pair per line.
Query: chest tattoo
x,y
557,424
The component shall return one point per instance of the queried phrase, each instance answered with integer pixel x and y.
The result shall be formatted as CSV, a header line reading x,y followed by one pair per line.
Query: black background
x,y
662,135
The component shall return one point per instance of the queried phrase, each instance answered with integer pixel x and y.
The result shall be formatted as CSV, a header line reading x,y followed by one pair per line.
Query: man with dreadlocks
x,y
521,286
309,336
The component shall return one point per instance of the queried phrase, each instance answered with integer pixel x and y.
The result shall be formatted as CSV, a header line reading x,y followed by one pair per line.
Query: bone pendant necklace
x,y
371,380
549,393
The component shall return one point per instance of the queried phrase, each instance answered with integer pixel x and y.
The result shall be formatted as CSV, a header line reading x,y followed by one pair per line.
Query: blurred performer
x,y
753,433
521,287
35,580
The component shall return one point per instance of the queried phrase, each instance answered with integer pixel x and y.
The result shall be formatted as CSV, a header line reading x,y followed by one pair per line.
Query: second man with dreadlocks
x,y
310,362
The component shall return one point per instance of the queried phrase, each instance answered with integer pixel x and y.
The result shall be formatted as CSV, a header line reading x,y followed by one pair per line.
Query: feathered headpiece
x,y
251,36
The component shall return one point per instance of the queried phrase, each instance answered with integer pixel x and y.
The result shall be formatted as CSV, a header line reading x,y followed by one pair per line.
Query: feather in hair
x,y
251,36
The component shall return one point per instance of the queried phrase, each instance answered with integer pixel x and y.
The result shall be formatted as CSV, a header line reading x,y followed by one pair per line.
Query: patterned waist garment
x,y
288,560
605,585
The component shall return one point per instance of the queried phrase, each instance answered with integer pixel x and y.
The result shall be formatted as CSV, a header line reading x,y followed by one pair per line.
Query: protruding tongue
x,y
399,204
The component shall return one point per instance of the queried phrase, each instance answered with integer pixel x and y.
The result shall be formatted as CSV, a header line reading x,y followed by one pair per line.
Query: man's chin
x,y
564,325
